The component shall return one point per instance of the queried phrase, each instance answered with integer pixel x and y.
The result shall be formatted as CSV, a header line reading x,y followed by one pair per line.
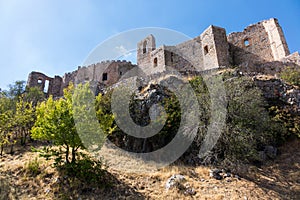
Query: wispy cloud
x,y
123,51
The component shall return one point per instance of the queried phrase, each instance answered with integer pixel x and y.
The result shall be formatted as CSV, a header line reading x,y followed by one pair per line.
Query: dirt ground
x,y
278,179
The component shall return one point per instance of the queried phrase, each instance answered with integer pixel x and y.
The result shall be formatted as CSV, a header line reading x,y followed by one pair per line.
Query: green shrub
x,y
33,167
85,169
291,75
248,125
290,121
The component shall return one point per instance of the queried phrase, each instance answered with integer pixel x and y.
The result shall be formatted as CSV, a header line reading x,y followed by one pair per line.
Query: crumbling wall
x,y
250,46
260,48
276,39
114,72
38,79
207,51
55,87
214,48
274,88
186,56
258,43
144,49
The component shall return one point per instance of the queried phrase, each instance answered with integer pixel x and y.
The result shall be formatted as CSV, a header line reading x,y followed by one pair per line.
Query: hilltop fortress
x,y
259,48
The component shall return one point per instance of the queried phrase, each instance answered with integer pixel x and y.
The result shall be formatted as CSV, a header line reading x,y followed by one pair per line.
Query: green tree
x,y
55,123
103,113
24,119
34,95
93,120
6,116
16,90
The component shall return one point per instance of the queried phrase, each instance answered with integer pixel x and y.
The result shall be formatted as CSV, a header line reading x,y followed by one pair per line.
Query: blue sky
x,y
55,36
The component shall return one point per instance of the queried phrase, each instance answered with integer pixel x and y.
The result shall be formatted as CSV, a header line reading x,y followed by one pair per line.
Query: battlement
x,y
260,47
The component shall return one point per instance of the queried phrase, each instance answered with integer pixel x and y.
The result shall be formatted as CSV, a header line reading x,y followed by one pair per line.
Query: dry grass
x,y
275,180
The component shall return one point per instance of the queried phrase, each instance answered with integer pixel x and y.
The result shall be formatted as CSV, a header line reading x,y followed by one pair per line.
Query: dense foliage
x,y
73,122
17,114
291,75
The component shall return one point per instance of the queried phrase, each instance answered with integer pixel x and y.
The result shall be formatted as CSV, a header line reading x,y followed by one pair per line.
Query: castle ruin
x,y
260,47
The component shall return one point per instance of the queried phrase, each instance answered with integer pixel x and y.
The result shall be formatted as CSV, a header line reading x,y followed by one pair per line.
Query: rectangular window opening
x,y
205,50
104,77
46,88
155,62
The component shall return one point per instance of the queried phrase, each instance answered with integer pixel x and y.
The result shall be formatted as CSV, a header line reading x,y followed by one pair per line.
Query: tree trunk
x,y
11,148
73,155
1,151
67,155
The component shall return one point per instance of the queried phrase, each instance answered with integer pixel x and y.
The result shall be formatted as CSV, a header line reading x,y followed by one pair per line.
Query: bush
x,y
85,169
248,125
289,120
33,167
291,75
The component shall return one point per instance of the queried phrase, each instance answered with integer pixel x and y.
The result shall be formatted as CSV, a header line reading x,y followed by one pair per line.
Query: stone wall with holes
x,y
38,79
207,51
274,88
259,48
106,72
258,43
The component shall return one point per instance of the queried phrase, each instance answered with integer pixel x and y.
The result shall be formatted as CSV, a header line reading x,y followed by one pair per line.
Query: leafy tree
x,y
6,116
24,119
55,123
93,120
103,113
34,95
16,90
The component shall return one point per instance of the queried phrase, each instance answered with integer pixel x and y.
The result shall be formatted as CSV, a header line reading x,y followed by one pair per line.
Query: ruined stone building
x,y
260,47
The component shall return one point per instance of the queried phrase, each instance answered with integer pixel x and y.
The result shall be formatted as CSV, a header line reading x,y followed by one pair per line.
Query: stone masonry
x,y
260,47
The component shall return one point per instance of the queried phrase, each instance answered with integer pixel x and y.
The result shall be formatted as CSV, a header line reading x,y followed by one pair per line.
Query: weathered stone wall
x,y
250,46
55,86
38,79
106,72
214,48
186,56
207,51
258,43
144,49
274,88
276,38
260,48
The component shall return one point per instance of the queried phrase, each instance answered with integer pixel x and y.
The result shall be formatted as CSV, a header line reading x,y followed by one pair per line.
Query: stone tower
x,y
214,48
144,49
276,39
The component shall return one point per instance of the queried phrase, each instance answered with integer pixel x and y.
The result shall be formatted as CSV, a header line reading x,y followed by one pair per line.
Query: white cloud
x,y
123,51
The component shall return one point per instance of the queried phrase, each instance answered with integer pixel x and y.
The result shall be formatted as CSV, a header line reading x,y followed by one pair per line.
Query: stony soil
x,y
278,179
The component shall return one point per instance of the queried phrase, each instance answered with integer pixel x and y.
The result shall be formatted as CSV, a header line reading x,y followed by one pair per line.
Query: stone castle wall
x,y
259,47
258,43
106,72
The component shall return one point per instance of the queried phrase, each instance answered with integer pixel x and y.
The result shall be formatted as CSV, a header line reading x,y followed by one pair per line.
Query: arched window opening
x,y
205,50
246,42
155,62
145,47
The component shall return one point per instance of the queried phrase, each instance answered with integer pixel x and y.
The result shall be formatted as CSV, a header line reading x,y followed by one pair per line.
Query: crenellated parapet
x,y
260,47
